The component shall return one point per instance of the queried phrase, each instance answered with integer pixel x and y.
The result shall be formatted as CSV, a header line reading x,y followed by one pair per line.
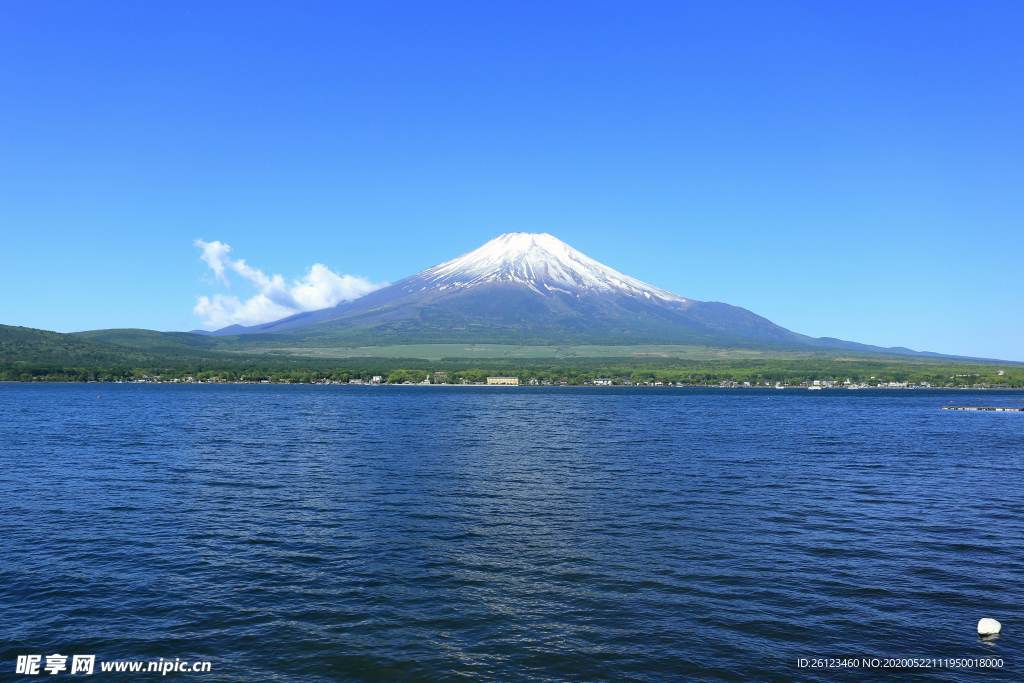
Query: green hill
x,y
31,354
27,347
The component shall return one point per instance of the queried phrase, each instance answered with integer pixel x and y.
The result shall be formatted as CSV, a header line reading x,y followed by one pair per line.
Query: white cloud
x,y
275,298
214,254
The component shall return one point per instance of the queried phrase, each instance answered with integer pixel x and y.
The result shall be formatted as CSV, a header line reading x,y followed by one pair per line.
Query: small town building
x,y
506,381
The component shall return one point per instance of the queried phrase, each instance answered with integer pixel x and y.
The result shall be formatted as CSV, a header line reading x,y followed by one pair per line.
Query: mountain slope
x,y
26,346
529,288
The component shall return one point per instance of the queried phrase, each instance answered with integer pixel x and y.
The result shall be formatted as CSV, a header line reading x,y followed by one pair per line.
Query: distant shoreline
x,y
620,387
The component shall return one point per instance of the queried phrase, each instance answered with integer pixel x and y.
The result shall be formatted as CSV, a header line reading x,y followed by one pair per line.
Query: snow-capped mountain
x,y
539,261
527,288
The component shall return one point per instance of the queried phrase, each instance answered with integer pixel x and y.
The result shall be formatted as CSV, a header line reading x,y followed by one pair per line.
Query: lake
x,y
322,533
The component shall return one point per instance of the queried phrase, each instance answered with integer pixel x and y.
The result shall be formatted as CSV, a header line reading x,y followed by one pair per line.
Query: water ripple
x,y
336,533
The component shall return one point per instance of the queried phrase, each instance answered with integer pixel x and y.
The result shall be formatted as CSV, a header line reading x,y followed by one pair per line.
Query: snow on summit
x,y
540,261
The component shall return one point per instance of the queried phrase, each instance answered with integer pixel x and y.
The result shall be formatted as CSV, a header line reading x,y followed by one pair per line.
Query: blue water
x,y
381,533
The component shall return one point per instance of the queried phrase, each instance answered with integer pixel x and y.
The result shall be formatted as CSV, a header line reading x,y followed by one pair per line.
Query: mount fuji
x,y
532,288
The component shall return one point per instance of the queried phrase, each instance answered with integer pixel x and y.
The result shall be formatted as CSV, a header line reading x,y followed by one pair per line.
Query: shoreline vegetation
x,y
895,386
142,356
770,376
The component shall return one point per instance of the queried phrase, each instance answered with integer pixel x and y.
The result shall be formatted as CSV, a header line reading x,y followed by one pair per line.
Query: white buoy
x,y
989,627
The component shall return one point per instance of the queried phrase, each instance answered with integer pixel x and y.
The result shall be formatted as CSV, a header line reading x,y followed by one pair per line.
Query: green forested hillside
x,y
29,354
151,341
33,355
28,347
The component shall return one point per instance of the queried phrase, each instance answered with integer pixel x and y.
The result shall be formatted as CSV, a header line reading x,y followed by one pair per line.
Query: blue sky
x,y
844,169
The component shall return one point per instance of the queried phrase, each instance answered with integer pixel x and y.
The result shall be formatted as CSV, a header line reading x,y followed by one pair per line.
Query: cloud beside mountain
x,y
275,297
